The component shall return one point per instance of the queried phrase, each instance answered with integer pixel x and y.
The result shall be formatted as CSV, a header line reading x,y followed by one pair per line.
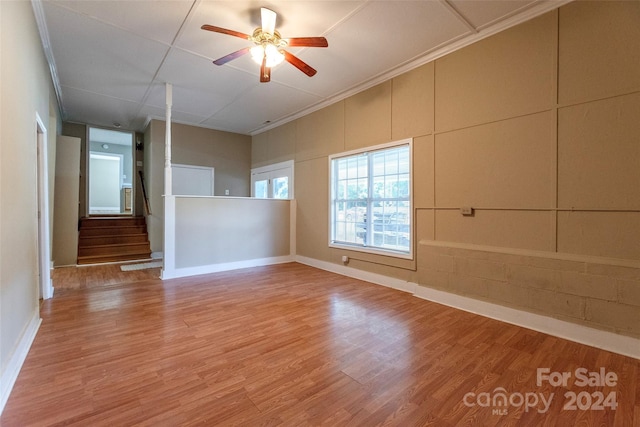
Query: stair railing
x,y
144,194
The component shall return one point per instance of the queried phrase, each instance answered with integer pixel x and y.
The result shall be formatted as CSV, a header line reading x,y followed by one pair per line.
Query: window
x,y
273,181
371,199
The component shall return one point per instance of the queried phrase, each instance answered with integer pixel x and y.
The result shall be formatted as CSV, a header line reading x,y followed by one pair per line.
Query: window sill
x,y
373,250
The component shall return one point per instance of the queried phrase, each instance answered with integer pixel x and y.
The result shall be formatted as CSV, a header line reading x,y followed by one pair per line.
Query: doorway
x,y
110,166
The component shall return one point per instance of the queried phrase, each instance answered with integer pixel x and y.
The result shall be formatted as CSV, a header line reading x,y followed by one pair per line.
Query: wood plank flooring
x,y
92,276
294,346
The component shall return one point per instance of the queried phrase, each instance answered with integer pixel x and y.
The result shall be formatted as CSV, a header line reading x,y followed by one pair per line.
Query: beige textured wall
x,y
229,153
25,90
536,128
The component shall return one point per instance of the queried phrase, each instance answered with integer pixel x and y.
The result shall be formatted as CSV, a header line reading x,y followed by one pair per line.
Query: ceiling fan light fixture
x,y
274,56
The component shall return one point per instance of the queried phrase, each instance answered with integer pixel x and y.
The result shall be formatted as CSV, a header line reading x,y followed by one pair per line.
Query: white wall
x,y
104,186
223,233
67,185
26,90
212,230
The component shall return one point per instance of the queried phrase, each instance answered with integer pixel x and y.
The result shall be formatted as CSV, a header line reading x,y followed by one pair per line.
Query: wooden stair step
x,y
85,241
111,222
110,231
113,258
124,248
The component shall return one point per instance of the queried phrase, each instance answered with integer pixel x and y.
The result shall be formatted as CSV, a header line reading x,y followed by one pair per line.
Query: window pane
x,y
378,164
378,187
391,162
352,167
363,166
403,161
363,188
341,189
260,190
281,188
403,186
342,169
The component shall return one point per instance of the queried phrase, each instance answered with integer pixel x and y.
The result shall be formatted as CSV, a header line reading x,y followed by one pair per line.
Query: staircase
x,y
112,239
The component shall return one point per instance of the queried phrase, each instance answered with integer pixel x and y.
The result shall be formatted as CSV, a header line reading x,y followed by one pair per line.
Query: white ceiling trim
x,y
41,23
532,12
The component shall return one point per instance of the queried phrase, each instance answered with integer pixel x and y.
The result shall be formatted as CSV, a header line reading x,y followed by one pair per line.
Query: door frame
x,y
45,286
87,179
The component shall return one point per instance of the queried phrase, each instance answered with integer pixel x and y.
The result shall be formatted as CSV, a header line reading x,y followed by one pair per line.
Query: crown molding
x,y
41,22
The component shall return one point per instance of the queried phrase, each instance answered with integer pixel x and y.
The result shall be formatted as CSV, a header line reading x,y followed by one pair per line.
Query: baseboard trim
x,y
378,279
604,340
216,268
10,374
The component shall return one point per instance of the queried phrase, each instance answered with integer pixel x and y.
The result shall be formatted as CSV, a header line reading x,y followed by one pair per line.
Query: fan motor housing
x,y
259,37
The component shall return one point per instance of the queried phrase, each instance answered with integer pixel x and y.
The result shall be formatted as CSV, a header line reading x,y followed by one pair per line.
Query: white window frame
x,y
364,248
273,171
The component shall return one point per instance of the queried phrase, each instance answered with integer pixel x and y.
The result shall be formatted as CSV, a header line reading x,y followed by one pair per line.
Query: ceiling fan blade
x,y
268,20
265,72
226,31
299,64
308,41
231,56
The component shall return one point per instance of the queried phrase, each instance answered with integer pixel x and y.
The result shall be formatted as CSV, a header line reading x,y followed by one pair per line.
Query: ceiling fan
x,y
269,46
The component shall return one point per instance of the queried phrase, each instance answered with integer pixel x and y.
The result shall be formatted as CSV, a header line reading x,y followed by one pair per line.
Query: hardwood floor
x,y
92,276
292,345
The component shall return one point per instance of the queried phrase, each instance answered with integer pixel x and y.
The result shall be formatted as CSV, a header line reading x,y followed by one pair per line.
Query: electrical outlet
x,y
466,211
226,192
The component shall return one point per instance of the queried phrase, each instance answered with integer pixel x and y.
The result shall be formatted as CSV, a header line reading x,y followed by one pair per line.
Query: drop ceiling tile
x,y
157,20
97,109
188,100
332,74
151,112
99,58
197,73
265,102
241,125
481,13
366,49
